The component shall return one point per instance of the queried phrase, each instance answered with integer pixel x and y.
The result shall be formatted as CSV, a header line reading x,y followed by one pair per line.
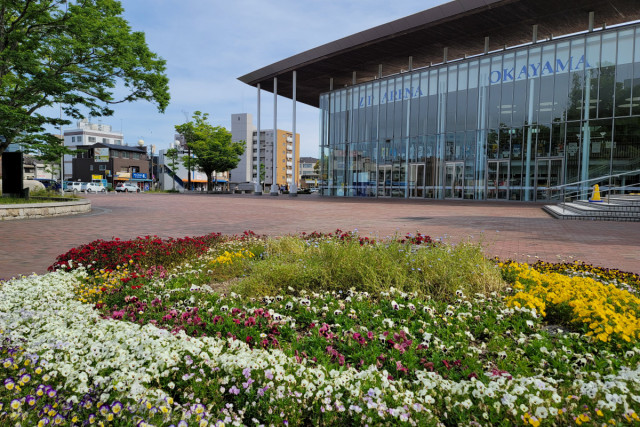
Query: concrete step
x,y
587,212
613,205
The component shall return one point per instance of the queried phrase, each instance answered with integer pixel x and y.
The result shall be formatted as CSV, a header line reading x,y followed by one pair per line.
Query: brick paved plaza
x,y
508,230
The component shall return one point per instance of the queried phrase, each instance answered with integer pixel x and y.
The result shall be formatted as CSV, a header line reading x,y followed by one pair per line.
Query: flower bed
x,y
139,342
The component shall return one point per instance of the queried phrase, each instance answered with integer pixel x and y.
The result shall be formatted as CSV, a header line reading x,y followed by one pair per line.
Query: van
x,y
76,186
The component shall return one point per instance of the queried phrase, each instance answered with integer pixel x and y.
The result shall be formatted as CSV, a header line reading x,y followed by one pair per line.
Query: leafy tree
x,y
211,145
72,53
172,155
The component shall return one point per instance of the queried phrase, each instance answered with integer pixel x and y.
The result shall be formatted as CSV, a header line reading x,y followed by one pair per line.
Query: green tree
x,y
211,145
71,53
172,155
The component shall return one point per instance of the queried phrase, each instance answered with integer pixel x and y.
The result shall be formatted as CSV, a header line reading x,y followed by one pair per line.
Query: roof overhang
x,y
461,26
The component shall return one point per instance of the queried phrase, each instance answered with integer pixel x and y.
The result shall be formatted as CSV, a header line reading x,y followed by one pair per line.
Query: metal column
x,y
274,180
293,189
258,185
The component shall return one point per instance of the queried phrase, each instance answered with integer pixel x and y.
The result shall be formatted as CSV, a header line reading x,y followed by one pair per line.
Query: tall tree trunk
x,y
209,181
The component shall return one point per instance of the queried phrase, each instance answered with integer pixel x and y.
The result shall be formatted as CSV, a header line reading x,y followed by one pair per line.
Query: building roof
x,y
308,160
461,26
117,147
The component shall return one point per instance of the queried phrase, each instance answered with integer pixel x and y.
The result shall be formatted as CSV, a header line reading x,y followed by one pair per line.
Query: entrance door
x,y
497,180
549,174
384,181
416,180
453,180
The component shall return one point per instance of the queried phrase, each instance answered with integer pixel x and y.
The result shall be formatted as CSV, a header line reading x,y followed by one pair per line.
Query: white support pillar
x,y
274,175
258,185
293,188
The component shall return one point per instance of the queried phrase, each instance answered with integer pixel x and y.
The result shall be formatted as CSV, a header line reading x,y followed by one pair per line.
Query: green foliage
x,y
73,54
291,264
212,146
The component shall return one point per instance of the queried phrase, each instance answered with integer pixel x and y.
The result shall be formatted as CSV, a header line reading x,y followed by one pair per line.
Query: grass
x,y
291,265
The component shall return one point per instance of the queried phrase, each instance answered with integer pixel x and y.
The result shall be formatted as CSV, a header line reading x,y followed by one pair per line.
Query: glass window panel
x,y
424,102
442,99
607,80
374,119
557,140
432,113
451,98
576,79
506,103
483,83
561,85
414,119
493,144
382,123
399,109
635,94
547,81
461,101
391,92
624,73
520,89
591,75
625,148
533,88
472,96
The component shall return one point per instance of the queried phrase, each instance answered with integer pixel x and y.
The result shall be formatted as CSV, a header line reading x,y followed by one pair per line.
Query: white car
x,y
95,187
127,188
76,186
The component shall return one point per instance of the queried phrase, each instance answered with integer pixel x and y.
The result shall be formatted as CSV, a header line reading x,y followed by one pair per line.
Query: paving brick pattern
x,y
508,230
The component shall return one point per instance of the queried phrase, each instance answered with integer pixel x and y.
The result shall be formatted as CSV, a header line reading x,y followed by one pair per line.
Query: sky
x,y
208,44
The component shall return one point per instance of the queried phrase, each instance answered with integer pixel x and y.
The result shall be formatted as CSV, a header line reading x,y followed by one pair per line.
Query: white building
x,y
242,129
88,133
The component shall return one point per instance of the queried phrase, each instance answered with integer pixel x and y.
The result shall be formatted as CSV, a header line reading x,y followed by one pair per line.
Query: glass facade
x,y
534,123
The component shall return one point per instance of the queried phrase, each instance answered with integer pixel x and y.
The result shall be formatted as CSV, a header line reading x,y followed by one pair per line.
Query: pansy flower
x,y
116,407
30,400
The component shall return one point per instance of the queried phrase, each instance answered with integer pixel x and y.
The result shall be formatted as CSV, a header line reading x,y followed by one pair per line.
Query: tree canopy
x,y
211,145
73,53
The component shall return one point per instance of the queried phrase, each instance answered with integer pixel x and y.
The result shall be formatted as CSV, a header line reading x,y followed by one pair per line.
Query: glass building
x,y
537,122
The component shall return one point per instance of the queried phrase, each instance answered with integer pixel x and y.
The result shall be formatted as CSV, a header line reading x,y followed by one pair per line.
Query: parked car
x,y
127,187
95,187
49,184
76,186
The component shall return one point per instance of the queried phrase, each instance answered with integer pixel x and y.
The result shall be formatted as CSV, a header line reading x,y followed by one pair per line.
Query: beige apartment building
x,y
243,129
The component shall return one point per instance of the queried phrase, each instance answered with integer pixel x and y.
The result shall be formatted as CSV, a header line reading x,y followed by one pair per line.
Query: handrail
x,y
569,196
600,178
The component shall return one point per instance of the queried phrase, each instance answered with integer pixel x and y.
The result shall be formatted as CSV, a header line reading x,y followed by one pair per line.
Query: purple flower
x,y
234,390
116,407
268,374
248,383
246,372
262,390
